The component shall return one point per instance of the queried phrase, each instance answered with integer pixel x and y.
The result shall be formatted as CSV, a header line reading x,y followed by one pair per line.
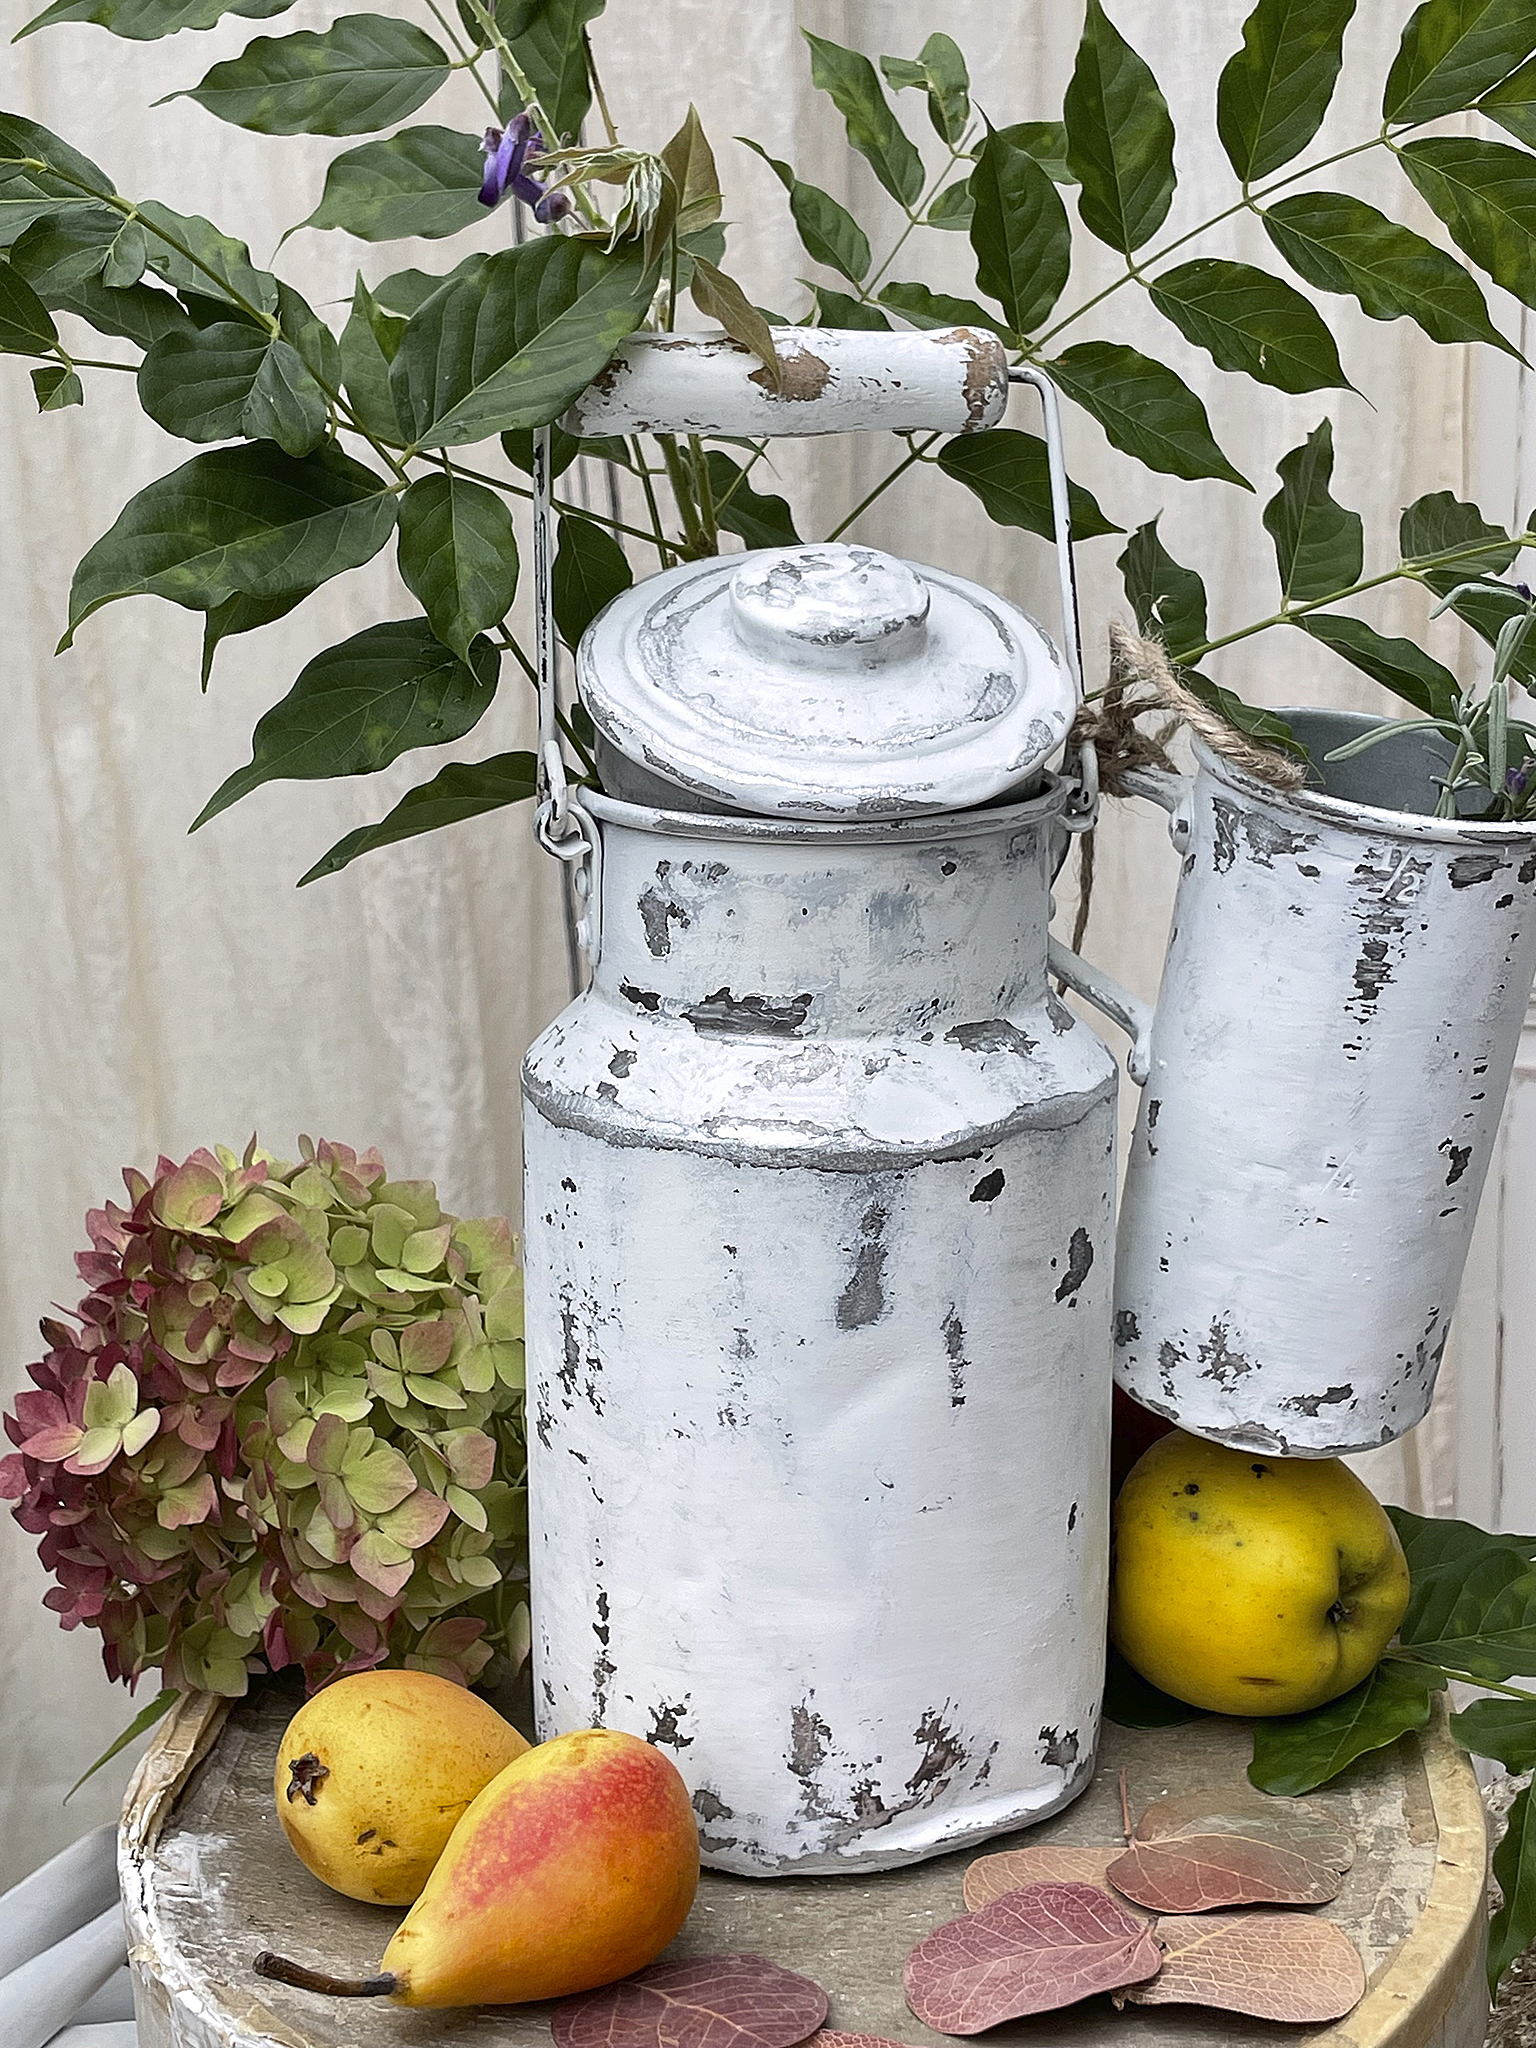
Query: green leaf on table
x,y
1247,320
245,521
1485,192
923,308
145,21
1398,665
1131,1702
1295,1753
458,557
1453,50
1513,1928
26,326
192,254
365,71
590,569
217,383
1274,92
762,521
512,342
549,40
849,80
41,174
828,231
1119,138
62,257
1019,231
142,1721
953,208
1340,244
1169,600
1319,544
464,789
423,181
721,298
1505,1729
360,705
1512,103
56,386
1145,409
837,309
370,342
1009,471
939,70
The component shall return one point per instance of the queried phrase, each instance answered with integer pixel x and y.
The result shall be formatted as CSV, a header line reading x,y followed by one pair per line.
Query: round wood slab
x,y
209,1879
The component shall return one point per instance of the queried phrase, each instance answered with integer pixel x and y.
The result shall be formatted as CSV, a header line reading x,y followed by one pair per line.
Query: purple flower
x,y
1515,780
506,151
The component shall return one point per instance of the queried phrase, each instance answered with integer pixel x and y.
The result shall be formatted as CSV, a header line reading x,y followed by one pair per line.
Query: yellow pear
x,y
573,1868
376,1770
1252,1585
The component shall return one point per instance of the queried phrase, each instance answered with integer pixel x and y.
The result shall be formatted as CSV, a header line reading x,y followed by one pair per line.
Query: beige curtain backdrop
x,y
158,992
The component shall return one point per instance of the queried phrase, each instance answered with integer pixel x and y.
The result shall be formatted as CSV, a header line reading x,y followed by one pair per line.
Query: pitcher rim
x,y
919,828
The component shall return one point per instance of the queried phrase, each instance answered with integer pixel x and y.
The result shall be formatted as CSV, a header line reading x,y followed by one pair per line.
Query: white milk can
x,y
820,1181
1341,1006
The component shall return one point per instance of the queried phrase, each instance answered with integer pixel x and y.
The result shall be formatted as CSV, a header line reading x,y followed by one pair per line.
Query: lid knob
x,y
829,607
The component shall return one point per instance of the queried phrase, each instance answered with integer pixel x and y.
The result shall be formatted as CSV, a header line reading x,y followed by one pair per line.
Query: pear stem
x,y
285,1972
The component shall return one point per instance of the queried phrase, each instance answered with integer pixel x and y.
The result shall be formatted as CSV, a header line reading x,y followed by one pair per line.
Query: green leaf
x,y
513,342
953,209
1485,192
188,251
142,1721
1432,1543
1512,103
423,181
1451,51
590,568
563,449
26,328
243,615
458,556
1295,1753
1247,320
940,72
62,255
762,521
408,290
248,521
722,299
837,309
56,387
54,180
359,706
1249,718
1009,471
465,789
1340,244
695,178
1046,142
923,308
1513,1927
1146,411
365,71
548,39
1019,231
1478,1618
1130,1702
1434,525
1119,138
1168,599
1399,665
145,21
1505,1729
214,383
830,233
1319,545
850,82
369,343
1275,91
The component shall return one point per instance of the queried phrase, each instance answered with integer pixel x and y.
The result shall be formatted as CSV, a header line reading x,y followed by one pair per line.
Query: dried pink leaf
x,y
990,1877
733,2001
1232,1848
1271,1966
1032,1950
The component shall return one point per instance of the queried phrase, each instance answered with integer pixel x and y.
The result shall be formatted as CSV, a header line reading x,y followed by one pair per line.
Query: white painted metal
x,y
1341,1006
953,380
819,1195
825,682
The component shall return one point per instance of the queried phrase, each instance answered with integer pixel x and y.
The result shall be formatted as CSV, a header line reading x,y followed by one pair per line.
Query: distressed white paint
x,y
824,682
952,380
1340,1010
818,1205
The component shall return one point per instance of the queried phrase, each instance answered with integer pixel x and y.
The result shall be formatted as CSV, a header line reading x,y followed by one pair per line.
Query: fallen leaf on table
x,y
829,2037
1235,1848
1271,1966
990,1877
1033,1950
734,2001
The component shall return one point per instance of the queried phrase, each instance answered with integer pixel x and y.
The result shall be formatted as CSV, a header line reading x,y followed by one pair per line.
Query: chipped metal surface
x,y
819,1208
1340,1011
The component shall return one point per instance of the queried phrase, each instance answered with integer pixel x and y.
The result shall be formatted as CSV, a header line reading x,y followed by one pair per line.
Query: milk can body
x,y
819,1199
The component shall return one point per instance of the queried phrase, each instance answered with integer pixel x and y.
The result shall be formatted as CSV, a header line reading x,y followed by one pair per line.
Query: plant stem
x,y
706,496
468,58
915,216
523,87
1513,1692
917,455
597,88
659,534
682,494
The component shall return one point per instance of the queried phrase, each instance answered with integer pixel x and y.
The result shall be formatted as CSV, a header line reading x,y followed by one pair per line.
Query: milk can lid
x,y
825,682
